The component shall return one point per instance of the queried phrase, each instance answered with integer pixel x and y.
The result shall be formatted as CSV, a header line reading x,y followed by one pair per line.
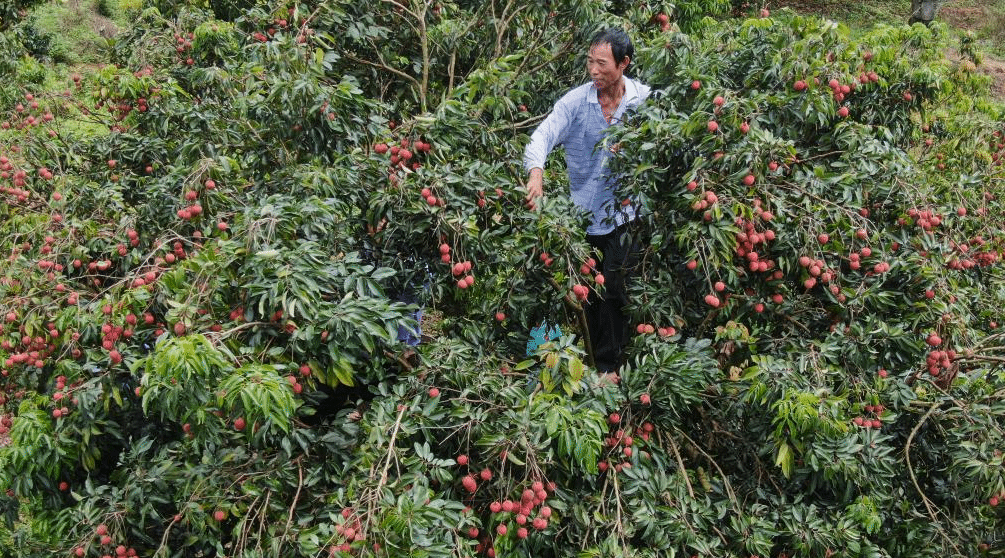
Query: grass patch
x,y
858,16
984,20
77,33
79,29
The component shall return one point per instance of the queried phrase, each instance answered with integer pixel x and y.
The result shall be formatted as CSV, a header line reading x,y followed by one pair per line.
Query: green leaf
x,y
785,459
525,364
343,372
576,370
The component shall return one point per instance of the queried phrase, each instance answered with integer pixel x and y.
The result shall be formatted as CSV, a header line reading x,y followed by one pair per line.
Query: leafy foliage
x,y
11,11
215,246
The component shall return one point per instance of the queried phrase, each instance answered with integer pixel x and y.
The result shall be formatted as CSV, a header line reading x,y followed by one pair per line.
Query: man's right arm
x,y
550,133
535,185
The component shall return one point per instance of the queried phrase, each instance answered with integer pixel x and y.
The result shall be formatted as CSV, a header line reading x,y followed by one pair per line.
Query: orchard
x,y
214,243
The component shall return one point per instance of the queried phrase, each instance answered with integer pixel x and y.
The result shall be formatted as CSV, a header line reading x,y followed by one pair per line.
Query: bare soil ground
x,y
996,69
83,10
978,19
989,66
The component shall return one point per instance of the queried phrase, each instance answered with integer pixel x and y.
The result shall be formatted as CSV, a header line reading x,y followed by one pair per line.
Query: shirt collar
x,y
631,92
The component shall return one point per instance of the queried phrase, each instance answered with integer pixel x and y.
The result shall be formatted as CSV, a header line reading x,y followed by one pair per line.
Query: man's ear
x,y
624,63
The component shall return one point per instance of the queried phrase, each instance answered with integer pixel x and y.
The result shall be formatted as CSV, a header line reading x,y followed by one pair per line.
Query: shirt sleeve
x,y
550,133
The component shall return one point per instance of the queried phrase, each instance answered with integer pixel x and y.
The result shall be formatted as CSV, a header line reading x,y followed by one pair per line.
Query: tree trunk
x,y
924,11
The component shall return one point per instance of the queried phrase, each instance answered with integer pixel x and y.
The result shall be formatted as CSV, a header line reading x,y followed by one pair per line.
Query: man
x,y
580,121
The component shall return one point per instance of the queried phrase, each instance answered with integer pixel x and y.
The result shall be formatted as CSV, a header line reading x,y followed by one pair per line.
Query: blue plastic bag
x,y
541,335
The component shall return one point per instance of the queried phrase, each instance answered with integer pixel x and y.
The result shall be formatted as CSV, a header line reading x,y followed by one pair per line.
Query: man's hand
x,y
535,186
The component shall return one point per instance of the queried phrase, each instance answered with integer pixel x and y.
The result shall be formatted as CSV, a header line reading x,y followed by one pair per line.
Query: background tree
x,y
13,10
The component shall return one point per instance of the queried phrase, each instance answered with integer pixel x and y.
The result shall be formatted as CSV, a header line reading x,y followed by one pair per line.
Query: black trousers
x,y
617,256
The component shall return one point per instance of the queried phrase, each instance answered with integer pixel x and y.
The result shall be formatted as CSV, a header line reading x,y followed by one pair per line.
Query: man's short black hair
x,y
621,45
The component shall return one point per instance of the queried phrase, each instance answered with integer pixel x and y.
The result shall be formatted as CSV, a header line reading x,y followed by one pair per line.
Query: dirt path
x,y
83,11
996,69
990,66
976,19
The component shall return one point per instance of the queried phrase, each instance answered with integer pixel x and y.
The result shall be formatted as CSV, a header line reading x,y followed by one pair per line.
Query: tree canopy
x,y
212,242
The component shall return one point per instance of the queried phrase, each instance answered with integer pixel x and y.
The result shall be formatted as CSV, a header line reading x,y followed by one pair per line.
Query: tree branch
x,y
914,479
382,66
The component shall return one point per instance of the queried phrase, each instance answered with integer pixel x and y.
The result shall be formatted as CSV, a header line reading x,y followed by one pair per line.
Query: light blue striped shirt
x,y
578,124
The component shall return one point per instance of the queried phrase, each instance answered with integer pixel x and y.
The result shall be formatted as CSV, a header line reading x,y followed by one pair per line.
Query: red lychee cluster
x,y
349,531
406,156
516,518
868,77
460,269
939,360
32,351
31,115
926,219
997,148
870,422
995,499
621,444
649,329
962,257
121,107
589,269
295,384
839,90
546,259
105,543
662,20
63,396
705,200
194,209
818,272
752,240
183,47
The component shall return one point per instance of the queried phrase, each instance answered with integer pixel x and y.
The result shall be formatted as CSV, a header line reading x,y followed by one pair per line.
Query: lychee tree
x,y
213,246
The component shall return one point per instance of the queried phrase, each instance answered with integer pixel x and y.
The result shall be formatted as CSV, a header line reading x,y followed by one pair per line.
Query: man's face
x,y
604,71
